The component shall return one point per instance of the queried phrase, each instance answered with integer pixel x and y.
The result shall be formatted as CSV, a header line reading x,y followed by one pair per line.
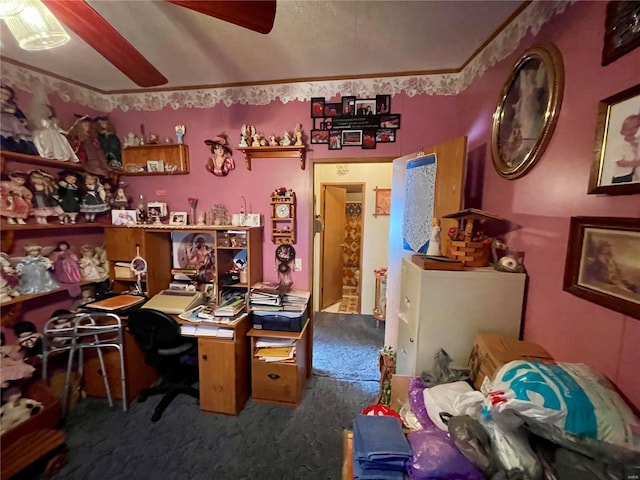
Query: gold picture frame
x,y
616,167
383,201
602,265
527,111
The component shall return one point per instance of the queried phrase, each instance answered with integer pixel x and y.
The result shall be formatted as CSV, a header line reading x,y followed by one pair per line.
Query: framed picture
x,y
156,210
385,135
390,121
602,262
335,140
123,217
365,107
317,107
621,30
155,166
527,112
193,251
616,166
383,201
351,138
178,218
383,104
332,109
369,138
348,105
319,136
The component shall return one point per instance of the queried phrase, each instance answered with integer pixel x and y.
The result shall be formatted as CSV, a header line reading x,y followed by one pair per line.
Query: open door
x,y
332,210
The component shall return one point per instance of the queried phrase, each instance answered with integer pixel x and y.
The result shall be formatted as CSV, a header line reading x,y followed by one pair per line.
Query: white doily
x,y
420,182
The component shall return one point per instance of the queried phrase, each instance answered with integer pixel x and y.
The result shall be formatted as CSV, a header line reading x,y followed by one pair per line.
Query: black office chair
x,y
165,348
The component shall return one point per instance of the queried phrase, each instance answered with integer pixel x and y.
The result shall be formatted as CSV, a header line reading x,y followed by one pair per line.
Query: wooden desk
x,y
223,366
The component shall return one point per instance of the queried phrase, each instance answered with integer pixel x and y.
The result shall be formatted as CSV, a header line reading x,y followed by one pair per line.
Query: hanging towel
x,y
420,182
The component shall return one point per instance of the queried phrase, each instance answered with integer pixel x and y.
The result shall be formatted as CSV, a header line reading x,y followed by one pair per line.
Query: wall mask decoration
x,y
222,162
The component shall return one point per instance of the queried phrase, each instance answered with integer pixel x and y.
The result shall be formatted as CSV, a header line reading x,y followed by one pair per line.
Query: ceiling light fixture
x,y
33,25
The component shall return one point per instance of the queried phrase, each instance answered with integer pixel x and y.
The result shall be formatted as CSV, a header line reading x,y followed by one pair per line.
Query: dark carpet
x,y
262,443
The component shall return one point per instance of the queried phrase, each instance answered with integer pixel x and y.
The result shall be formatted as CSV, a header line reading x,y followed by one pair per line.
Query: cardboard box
x,y
491,351
399,390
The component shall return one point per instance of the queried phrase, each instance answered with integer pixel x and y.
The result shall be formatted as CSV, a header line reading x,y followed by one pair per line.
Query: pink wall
x,y
543,201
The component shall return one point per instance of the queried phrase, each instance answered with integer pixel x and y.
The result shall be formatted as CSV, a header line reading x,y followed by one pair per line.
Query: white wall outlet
x,y
298,265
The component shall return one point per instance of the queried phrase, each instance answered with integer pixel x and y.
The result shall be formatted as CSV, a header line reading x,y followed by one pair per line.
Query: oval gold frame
x,y
513,154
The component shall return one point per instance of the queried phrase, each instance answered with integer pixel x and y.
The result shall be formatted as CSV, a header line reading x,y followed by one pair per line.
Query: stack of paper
x,y
275,349
205,314
206,331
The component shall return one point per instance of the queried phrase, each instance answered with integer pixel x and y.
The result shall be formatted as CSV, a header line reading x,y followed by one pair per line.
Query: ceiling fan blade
x,y
102,37
256,15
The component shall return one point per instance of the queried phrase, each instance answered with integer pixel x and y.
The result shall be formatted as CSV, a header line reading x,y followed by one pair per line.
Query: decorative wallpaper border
x,y
532,18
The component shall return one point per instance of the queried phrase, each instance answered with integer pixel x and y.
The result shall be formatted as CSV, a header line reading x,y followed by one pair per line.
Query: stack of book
x,y
275,350
207,314
230,308
264,297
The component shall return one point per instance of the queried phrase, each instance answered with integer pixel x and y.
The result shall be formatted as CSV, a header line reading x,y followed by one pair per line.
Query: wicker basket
x,y
471,254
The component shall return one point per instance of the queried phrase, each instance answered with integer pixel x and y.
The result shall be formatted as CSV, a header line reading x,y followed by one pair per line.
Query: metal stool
x,y
77,332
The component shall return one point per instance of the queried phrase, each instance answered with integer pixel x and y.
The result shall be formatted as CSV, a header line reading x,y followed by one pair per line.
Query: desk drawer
x,y
275,382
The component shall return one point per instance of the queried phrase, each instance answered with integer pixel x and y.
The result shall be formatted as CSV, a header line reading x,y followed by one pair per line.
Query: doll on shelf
x,y
94,198
15,198
45,200
109,142
222,162
66,267
286,140
8,279
69,196
84,141
48,137
297,132
90,264
34,272
16,136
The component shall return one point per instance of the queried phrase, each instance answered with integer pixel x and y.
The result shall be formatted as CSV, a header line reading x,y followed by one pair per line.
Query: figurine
x,y
45,201
8,279
131,140
69,196
15,198
90,264
286,140
109,142
222,161
120,199
255,139
34,272
297,132
273,141
84,141
246,132
434,240
66,267
48,137
93,200
180,131
16,136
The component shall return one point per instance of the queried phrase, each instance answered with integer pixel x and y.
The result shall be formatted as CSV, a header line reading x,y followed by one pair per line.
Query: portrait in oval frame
x,y
527,112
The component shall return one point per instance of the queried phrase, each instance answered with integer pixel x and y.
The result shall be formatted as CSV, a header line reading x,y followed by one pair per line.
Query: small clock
x,y
282,210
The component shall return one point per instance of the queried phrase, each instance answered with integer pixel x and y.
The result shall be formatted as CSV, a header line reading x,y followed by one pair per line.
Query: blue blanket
x,y
380,439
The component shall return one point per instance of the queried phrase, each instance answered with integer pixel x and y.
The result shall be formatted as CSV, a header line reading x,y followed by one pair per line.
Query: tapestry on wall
x,y
420,184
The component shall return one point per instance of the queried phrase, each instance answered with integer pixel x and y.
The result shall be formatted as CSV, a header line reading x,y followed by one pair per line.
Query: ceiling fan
x,y
79,16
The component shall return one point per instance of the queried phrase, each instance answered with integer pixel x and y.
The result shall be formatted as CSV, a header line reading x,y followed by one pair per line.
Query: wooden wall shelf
x,y
274,152
174,158
6,155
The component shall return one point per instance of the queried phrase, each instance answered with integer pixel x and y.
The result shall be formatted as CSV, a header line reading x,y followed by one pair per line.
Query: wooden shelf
x,y
25,298
274,152
174,156
8,156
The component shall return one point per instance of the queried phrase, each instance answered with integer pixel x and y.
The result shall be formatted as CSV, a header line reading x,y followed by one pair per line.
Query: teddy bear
x,y
17,410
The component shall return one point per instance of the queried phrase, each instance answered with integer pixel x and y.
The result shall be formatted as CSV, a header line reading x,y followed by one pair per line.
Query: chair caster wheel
x,y
156,416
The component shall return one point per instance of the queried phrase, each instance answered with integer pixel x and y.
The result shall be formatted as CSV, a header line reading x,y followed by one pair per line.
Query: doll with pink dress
x,y
15,198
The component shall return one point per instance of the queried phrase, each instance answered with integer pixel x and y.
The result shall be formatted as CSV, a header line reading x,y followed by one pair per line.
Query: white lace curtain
x,y
420,184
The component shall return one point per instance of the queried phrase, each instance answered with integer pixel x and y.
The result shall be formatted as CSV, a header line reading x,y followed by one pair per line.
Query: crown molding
x,y
532,18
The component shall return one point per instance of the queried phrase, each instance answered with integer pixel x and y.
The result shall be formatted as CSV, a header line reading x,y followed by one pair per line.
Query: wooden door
x,y
334,200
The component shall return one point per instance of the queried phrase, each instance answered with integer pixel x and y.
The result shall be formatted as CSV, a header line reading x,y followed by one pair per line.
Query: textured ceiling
x,y
310,40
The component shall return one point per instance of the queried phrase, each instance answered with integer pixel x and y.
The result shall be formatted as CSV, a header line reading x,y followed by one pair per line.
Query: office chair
x,y
164,347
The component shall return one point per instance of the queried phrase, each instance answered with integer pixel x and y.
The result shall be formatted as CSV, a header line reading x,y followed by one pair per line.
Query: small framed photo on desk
x,y
178,218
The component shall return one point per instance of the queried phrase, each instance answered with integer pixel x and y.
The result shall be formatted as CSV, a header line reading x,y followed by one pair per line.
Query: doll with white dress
x,y
90,264
49,138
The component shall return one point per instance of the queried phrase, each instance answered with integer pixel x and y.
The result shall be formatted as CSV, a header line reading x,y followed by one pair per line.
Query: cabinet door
x,y
121,242
218,373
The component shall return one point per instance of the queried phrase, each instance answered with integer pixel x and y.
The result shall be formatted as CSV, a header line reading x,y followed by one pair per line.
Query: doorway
x,y
366,246
341,214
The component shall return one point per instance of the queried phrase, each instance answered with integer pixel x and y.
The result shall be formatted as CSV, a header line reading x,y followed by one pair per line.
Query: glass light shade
x,y
35,28
9,8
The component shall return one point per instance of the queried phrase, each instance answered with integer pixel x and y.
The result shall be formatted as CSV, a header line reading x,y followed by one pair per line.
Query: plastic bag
x,y
442,372
473,441
435,457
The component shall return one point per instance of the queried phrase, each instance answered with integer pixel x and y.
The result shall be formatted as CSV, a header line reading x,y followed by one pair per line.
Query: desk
x,y
223,369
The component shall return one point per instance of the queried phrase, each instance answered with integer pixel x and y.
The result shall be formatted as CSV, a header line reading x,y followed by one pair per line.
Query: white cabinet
x,y
445,309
